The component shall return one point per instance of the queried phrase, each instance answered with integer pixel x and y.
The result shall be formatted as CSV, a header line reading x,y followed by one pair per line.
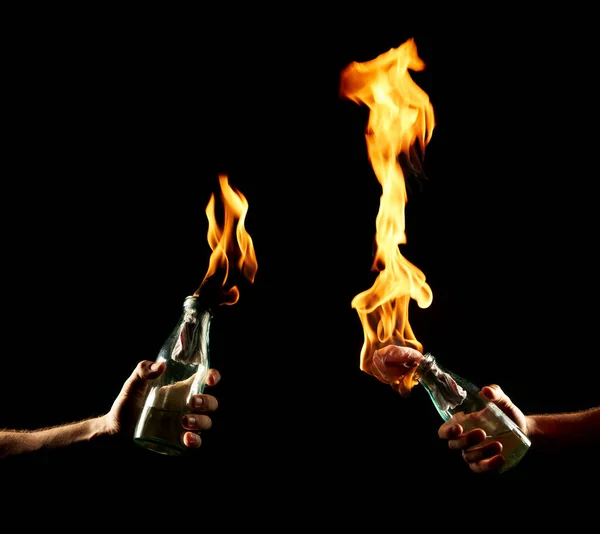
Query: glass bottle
x,y
186,352
457,398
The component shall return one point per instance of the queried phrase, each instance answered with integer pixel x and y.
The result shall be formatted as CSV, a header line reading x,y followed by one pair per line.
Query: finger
x,y
392,364
191,440
203,403
484,452
213,377
449,431
396,356
144,371
196,422
488,466
492,392
470,439
148,370
495,394
151,370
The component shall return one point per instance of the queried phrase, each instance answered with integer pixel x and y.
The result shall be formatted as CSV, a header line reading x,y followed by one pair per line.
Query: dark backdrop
x,y
115,130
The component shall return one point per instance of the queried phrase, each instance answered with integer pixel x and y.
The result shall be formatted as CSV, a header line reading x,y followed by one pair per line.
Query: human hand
x,y
127,406
395,365
481,455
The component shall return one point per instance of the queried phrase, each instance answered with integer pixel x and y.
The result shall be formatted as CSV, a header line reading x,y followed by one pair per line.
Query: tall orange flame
x,y
231,244
400,116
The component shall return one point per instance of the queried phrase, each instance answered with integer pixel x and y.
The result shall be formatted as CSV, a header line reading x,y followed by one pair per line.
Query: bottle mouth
x,y
197,304
425,365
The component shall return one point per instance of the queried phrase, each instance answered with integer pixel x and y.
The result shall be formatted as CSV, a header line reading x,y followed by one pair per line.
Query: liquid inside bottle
x,y
457,399
186,352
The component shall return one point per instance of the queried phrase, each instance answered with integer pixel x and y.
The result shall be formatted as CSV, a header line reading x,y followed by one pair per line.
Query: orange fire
x,y
231,244
401,116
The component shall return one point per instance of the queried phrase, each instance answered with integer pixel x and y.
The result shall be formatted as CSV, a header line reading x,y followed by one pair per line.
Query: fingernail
x,y
190,420
194,438
198,402
154,366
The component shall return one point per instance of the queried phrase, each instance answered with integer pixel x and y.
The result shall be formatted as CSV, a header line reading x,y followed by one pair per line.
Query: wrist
x,y
104,428
530,429
98,427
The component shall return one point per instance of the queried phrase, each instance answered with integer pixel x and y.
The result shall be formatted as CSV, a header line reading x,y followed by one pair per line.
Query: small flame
x,y
401,116
231,244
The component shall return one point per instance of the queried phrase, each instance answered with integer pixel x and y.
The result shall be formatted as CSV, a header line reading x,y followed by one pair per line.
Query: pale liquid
x,y
161,431
499,428
513,448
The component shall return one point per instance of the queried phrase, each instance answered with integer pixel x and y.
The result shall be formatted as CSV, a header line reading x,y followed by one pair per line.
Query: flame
x,y
400,121
231,244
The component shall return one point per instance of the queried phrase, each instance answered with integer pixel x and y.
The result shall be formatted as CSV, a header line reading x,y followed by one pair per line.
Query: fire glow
x,y
231,244
401,122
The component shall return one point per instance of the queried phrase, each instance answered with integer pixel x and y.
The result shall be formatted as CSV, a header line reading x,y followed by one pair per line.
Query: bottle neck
x,y
428,372
189,343
443,388
194,305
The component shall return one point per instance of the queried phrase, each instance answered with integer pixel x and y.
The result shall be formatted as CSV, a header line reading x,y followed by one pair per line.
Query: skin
x,y
119,422
486,458
393,365
546,431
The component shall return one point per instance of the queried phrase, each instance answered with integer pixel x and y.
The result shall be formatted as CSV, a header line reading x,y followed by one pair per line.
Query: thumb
x,y
152,370
494,393
144,371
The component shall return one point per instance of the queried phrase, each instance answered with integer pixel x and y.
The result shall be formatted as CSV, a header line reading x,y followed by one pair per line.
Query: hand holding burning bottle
x,y
395,365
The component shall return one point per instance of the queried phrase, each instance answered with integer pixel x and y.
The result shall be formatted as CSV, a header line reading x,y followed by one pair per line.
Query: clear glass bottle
x,y
456,397
186,352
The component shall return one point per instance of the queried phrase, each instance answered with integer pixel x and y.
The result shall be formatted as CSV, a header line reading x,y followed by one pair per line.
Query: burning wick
x,y
232,258
400,124
187,349
192,328
233,255
400,367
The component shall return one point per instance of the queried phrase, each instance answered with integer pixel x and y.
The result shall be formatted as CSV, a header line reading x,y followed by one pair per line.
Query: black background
x,y
116,126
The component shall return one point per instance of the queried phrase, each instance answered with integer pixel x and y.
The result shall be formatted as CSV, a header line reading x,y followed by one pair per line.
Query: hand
x,y
127,406
482,457
395,365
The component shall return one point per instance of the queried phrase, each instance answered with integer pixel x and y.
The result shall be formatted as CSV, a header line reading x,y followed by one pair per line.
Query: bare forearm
x,y
13,442
560,430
